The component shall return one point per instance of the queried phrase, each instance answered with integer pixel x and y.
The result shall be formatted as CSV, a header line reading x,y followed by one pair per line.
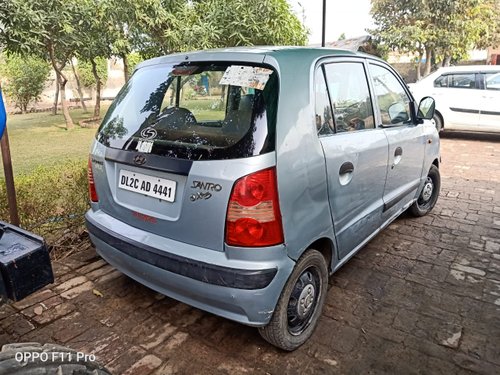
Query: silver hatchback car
x,y
238,180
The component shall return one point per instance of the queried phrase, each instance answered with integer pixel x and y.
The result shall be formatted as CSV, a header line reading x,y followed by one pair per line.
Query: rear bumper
x,y
244,291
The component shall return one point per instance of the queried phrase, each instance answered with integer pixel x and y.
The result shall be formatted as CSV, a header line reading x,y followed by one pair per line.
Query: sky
x,y
350,17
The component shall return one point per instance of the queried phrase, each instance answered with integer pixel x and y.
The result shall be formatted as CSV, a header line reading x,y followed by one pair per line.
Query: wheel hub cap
x,y
427,191
306,300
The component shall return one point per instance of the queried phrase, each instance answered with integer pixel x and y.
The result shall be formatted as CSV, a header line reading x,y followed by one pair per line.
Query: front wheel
x,y
438,122
300,304
429,194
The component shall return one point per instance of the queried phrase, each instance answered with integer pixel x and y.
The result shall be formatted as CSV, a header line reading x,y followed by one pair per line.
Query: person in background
x,y
3,114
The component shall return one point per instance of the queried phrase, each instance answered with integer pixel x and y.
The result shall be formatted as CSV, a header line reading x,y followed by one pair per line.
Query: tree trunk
x,y
97,108
67,116
62,86
56,96
79,87
447,60
428,62
126,72
419,66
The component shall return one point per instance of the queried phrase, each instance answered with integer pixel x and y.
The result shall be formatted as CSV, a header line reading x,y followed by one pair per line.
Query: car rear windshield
x,y
196,111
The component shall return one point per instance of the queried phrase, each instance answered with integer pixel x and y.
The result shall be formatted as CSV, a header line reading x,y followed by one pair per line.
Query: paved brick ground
x,y
422,297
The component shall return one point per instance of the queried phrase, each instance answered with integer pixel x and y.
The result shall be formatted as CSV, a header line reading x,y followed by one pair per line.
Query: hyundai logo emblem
x,y
139,159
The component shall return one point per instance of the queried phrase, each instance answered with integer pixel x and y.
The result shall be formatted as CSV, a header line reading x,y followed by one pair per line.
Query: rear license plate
x,y
155,187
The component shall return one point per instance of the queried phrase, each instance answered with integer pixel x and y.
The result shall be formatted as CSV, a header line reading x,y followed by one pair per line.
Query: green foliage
x,y
441,28
50,199
142,25
221,23
134,59
60,29
25,79
156,27
84,70
45,28
93,28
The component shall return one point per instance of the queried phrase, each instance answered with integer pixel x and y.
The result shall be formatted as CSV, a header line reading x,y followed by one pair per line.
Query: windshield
x,y
195,111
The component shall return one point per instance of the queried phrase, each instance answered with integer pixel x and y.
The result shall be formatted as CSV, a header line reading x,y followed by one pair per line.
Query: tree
x,y
78,86
228,23
150,27
133,60
95,41
442,29
158,27
43,28
26,79
463,25
88,73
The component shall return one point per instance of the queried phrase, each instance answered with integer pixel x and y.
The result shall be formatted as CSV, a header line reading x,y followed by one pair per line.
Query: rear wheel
x,y
429,194
300,304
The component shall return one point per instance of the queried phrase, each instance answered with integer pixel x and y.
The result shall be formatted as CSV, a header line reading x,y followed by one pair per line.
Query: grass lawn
x,y
205,109
42,139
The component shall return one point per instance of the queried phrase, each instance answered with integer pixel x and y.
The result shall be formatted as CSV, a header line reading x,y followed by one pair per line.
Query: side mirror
x,y
426,109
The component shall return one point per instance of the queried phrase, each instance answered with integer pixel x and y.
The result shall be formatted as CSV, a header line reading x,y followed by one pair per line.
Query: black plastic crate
x,y
24,262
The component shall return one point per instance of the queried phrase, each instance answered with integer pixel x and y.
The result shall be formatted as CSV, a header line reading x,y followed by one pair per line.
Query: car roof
x,y
257,54
469,68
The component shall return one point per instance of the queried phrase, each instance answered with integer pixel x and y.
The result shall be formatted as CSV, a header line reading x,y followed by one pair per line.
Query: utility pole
x,y
7,165
324,24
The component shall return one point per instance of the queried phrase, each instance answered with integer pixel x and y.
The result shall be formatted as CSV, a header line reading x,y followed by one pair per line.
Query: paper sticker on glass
x,y
246,76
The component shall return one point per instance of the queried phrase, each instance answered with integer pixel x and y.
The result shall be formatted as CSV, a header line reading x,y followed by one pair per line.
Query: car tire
x,y
428,195
300,304
18,359
438,122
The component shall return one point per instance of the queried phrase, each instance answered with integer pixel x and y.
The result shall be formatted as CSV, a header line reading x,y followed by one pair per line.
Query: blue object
x,y
3,115
204,82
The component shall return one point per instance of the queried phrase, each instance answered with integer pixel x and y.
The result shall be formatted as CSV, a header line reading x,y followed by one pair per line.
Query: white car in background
x,y
467,97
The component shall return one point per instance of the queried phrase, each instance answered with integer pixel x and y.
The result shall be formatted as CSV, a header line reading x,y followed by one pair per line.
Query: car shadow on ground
x,y
490,137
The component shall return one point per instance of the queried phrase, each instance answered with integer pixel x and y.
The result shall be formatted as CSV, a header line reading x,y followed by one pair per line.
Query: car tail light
x,y
92,191
253,213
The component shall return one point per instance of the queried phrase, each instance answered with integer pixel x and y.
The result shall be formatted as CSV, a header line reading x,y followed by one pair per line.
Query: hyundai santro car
x,y
239,180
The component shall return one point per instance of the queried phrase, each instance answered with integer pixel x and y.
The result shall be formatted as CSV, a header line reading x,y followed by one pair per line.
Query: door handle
x,y
398,154
347,167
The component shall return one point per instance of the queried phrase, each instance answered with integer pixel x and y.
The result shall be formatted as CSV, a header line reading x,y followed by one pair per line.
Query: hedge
x,y
51,201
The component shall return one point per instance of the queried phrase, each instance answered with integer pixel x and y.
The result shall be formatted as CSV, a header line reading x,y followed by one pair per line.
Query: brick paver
x,y
422,297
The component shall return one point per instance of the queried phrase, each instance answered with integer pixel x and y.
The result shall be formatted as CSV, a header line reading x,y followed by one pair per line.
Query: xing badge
x,y
200,195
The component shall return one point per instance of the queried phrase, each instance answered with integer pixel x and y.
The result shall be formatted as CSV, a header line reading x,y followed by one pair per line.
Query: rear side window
x,y
195,111
462,80
323,109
